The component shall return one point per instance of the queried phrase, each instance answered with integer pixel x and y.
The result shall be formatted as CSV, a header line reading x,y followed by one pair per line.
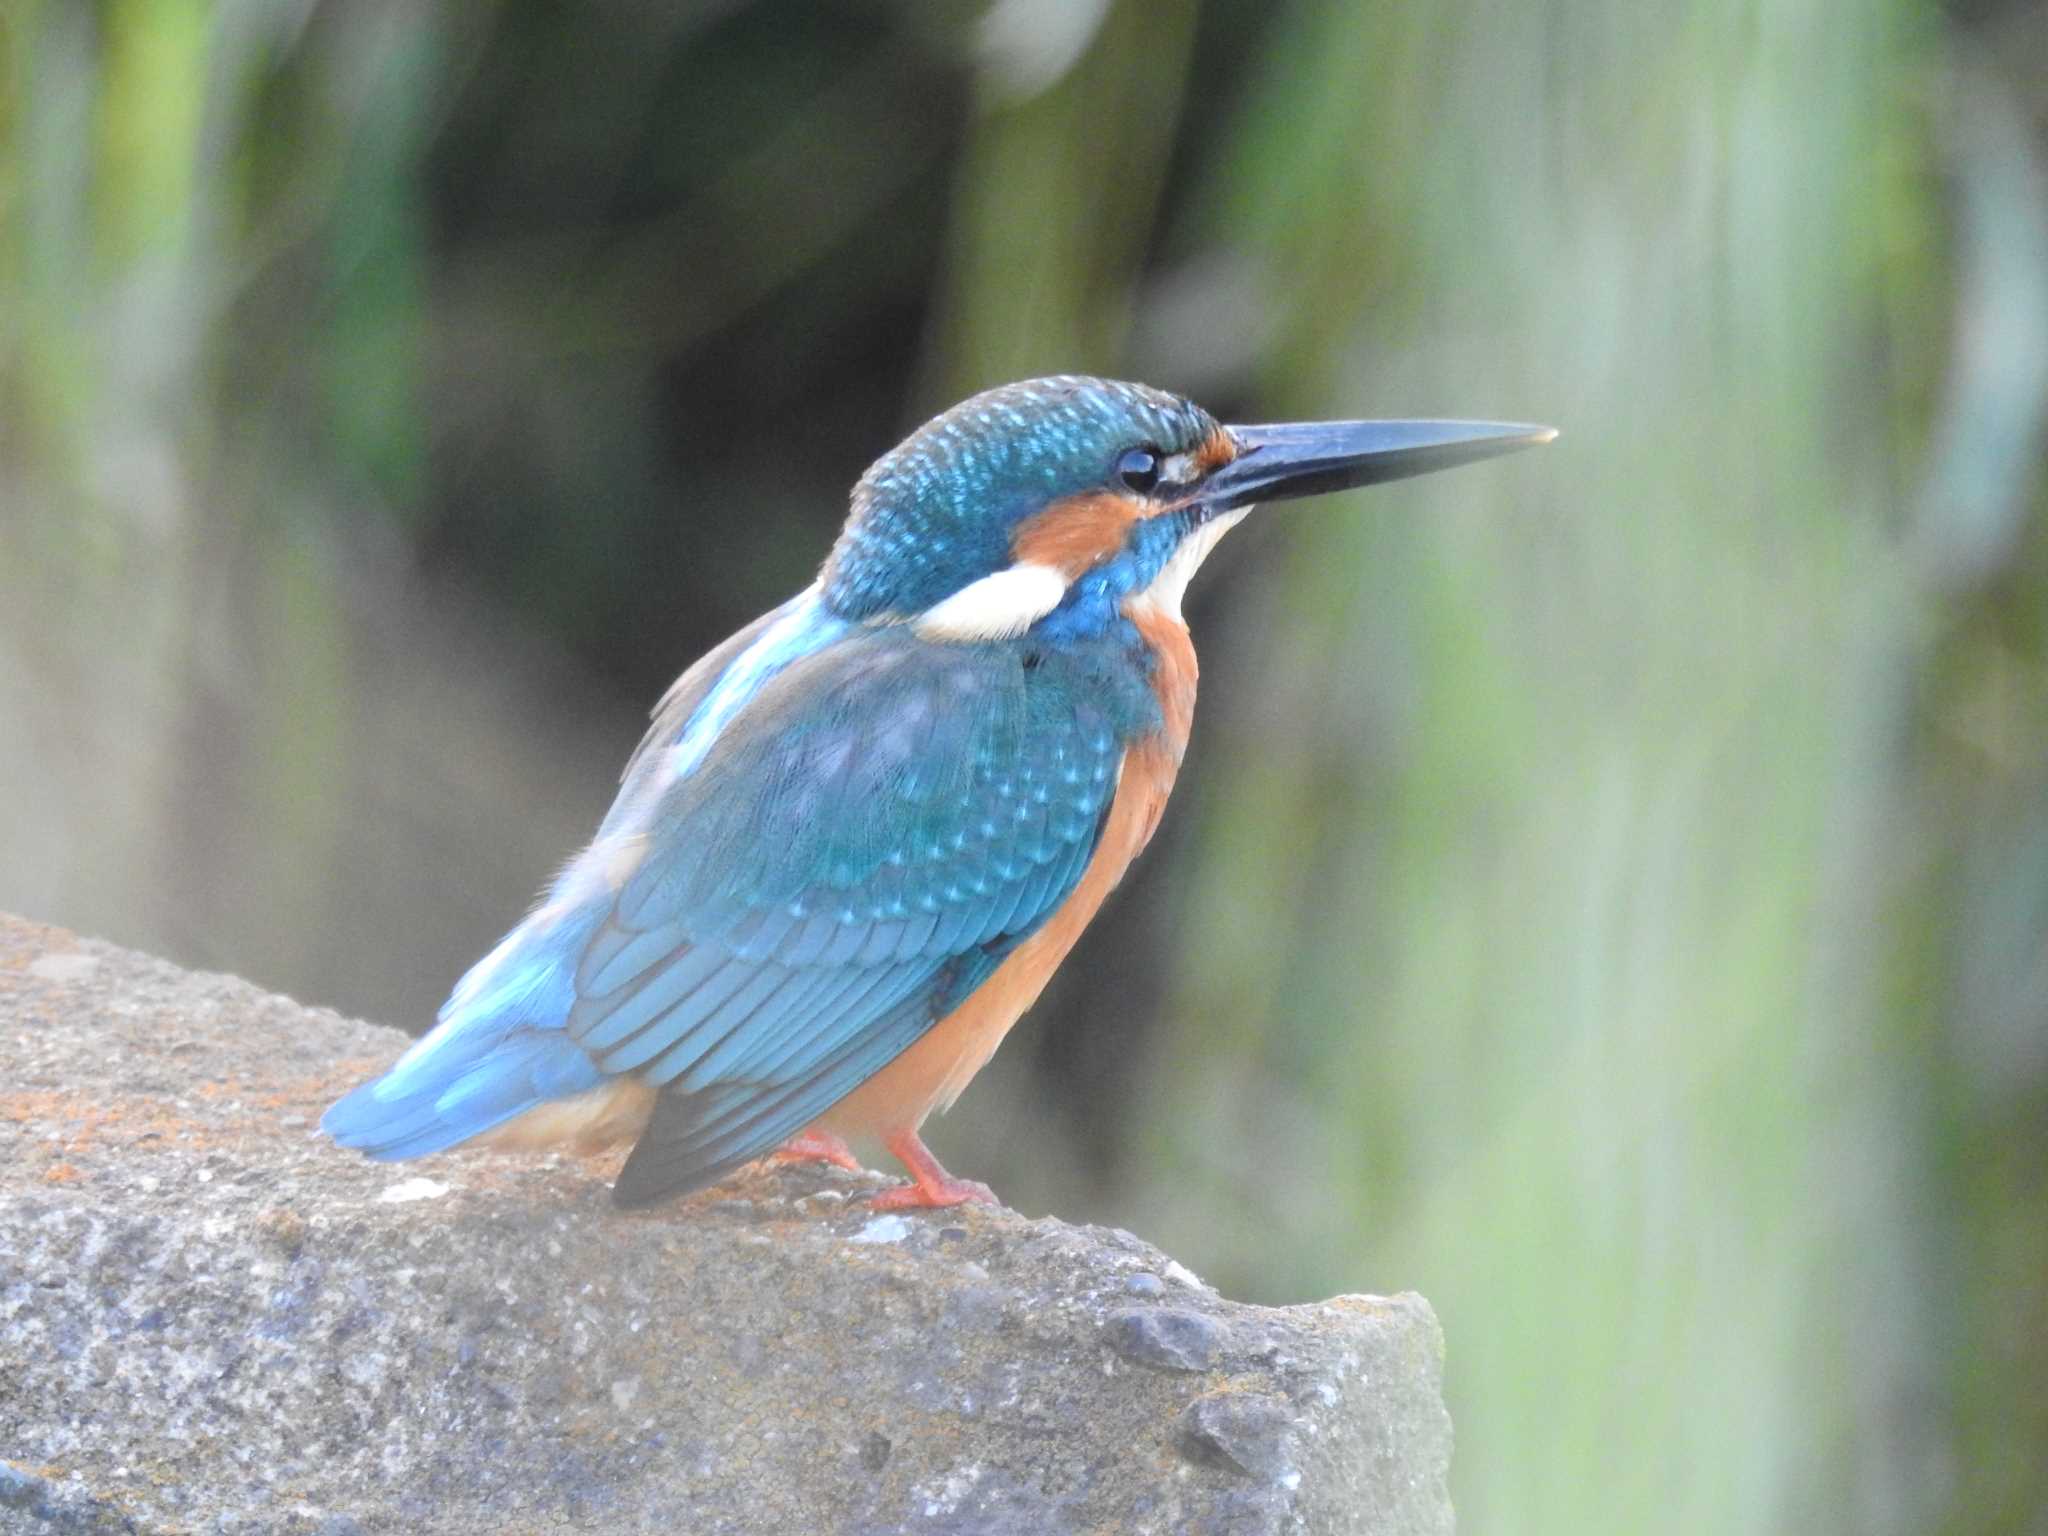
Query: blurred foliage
x,y
1609,891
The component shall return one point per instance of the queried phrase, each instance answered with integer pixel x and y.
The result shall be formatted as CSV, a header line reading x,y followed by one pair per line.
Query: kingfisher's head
x,y
1045,505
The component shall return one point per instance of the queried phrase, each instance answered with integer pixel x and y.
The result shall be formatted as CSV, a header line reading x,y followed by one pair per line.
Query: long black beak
x,y
1308,458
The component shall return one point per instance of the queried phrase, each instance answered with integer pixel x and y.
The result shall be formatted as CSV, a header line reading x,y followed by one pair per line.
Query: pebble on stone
x,y
1171,1338
1249,1432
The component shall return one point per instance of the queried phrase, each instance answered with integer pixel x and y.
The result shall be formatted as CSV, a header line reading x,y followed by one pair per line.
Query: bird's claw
x,y
935,1195
817,1147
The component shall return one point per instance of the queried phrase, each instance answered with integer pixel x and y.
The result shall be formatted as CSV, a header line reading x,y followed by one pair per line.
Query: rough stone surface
x,y
212,1321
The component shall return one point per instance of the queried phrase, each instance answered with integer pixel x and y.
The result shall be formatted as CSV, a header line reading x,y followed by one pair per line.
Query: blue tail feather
x,y
499,1050
404,1115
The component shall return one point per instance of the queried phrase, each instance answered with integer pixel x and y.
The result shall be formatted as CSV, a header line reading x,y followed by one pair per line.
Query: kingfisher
x,y
861,834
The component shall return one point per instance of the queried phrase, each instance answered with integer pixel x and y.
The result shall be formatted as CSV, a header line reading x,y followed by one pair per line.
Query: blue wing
x,y
852,855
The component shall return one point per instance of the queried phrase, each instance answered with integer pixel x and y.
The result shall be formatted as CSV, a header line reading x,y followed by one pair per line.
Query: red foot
x,y
930,1186
817,1147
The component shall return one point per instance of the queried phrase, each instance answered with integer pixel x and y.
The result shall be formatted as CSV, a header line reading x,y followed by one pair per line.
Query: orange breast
x,y
932,1073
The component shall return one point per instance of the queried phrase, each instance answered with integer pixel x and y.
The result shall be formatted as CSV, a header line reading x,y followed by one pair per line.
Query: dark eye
x,y
1138,468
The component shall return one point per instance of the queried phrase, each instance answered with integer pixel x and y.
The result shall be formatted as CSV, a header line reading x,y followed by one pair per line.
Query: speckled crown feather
x,y
936,512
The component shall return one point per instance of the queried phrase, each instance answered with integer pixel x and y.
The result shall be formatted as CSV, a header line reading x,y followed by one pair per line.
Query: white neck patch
x,y
1171,584
997,607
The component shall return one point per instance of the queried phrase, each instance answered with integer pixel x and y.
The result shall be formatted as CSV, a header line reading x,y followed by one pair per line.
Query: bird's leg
x,y
817,1147
930,1185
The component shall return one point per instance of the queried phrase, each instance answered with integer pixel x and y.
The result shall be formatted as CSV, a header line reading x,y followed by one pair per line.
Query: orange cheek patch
x,y
1075,534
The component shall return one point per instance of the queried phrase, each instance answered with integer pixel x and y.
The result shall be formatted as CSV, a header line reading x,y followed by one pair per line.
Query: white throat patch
x,y
1171,584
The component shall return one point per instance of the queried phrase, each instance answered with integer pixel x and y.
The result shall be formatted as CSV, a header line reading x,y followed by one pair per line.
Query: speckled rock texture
x,y
211,1320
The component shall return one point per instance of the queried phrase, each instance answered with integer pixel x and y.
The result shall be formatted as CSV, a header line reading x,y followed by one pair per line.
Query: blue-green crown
x,y
937,511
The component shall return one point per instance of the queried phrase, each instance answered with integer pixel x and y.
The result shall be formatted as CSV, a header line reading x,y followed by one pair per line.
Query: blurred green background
x,y
1609,891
